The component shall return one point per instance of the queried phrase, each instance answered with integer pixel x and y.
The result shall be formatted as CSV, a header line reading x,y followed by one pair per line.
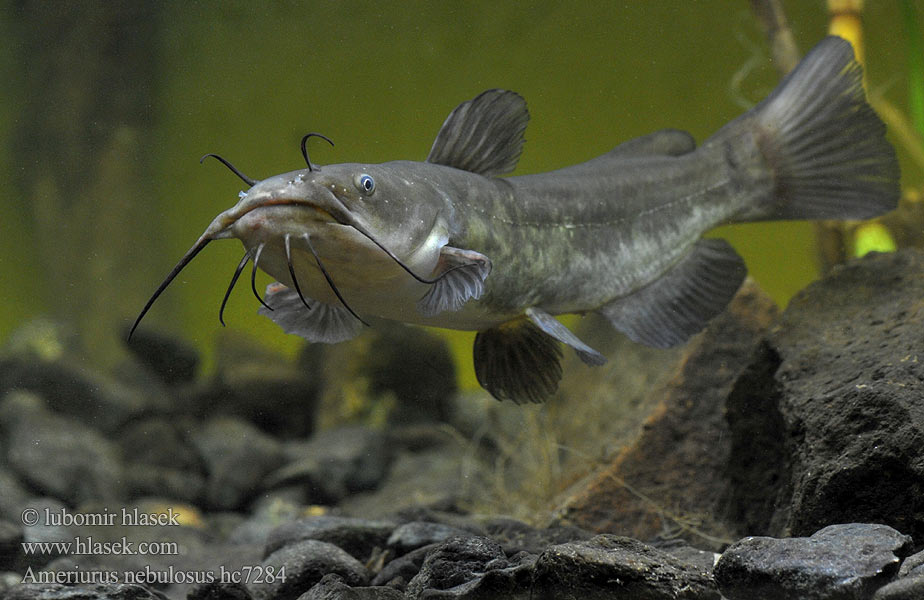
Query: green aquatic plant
x,y
915,50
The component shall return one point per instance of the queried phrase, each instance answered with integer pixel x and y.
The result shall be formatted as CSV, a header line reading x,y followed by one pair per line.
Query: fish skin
x,y
603,235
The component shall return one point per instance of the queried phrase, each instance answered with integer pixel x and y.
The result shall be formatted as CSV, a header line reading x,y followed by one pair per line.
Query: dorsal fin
x,y
483,135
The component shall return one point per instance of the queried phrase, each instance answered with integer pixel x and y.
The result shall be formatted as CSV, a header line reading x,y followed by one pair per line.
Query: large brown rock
x,y
670,481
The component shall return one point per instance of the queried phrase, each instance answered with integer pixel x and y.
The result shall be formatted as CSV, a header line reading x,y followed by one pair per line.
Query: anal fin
x,y
322,323
668,311
517,361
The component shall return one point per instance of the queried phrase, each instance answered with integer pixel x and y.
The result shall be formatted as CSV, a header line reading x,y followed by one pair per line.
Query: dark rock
x,y
403,568
451,516
170,358
358,537
59,456
44,530
913,565
613,567
40,362
334,463
840,561
13,495
162,442
416,534
267,514
393,373
836,391
11,538
259,385
218,590
457,561
671,478
907,588
147,480
161,461
509,579
332,587
55,591
422,387
702,560
910,582
303,565
237,456
435,478
515,536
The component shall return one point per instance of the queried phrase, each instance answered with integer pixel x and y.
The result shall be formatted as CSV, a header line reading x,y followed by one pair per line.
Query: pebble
x,y
413,535
11,538
457,561
332,587
848,561
295,568
402,569
335,463
218,590
609,566
358,537
906,588
173,360
433,478
515,536
14,495
913,565
71,388
237,456
54,591
257,384
57,455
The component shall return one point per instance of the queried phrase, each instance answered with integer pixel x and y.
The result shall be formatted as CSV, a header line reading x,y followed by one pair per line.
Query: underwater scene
x,y
505,300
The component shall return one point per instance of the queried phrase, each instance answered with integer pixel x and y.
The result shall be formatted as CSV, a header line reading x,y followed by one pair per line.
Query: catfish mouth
x,y
337,215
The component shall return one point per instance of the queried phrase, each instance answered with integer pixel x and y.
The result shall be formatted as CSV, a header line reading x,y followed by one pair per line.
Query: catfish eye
x,y
365,183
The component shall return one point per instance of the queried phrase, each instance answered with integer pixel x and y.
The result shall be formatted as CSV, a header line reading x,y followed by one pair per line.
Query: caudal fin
x,y
824,144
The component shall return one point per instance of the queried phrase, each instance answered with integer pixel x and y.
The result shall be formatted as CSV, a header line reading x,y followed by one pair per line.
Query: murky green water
x,y
103,191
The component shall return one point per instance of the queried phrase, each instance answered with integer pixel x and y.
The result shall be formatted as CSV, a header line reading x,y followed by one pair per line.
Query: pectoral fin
x,y
461,278
668,311
322,323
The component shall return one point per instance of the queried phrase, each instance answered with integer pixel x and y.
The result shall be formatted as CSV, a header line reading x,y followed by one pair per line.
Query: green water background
x,y
247,79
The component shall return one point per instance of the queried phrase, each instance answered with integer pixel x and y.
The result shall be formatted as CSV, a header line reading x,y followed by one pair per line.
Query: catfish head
x,y
371,235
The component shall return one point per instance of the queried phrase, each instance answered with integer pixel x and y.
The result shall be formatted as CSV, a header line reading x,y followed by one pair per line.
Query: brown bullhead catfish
x,y
448,243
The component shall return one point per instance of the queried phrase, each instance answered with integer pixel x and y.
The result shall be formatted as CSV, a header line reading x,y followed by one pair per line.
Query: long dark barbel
x,y
330,281
248,180
187,258
253,276
237,273
288,245
352,223
305,147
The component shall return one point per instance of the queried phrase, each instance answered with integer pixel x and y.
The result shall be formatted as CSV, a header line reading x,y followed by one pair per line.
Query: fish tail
x,y
824,145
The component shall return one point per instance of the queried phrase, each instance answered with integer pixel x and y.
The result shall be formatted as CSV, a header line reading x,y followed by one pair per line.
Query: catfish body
x,y
449,243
